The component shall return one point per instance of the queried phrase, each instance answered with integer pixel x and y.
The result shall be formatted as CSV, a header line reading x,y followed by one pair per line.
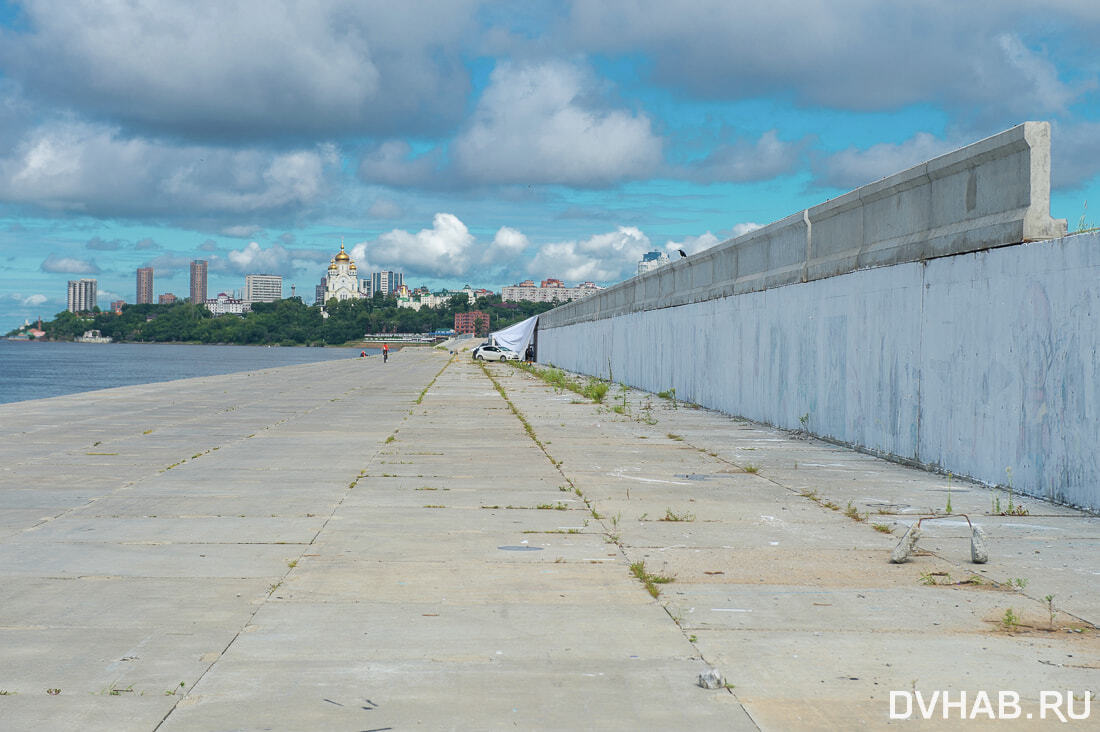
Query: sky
x,y
484,143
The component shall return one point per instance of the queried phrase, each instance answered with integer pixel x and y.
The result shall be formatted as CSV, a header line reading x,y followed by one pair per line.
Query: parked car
x,y
494,353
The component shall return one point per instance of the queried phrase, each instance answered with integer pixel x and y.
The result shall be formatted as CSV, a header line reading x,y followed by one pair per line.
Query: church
x,y
342,281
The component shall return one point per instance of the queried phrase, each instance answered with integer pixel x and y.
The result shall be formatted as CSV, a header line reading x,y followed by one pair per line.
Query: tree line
x,y
288,322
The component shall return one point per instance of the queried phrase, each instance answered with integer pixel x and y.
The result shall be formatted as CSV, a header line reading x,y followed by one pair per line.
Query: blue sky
x,y
485,143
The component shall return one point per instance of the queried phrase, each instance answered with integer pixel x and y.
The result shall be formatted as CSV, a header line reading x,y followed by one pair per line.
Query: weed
x,y
949,492
811,494
672,436
292,563
433,505
595,390
670,516
751,468
1018,582
830,505
613,538
1010,620
177,690
693,638
113,690
596,514
1049,600
882,528
559,506
578,492
563,488
853,513
804,420
390,439
53,692
934,578
146,432
649,580
491,507
427,488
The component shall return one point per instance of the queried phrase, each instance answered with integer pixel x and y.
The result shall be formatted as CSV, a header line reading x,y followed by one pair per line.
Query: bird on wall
x,y
681,252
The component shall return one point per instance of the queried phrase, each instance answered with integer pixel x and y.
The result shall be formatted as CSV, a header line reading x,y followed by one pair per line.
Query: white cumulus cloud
x,y
543,123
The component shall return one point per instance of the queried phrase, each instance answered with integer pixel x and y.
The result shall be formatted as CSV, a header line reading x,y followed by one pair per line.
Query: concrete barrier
x,y
958,351
992,193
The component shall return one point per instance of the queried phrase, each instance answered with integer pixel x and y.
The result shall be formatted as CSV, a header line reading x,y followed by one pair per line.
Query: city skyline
x,y
494,144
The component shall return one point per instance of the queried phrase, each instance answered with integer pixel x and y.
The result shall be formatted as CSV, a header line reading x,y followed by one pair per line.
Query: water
x,y
39,370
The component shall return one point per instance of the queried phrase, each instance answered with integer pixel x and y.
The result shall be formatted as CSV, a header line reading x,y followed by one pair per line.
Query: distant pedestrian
x,y
362,354
529,354
385,352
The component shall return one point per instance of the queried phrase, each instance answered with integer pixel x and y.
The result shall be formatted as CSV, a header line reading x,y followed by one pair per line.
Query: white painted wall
x,y
973,362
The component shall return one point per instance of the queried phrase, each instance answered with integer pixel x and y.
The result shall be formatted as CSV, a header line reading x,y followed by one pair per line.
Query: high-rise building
x,y
652,260
144,285
82,295
116,306
263,288
198,281
475,322
166,299
388,283
319,292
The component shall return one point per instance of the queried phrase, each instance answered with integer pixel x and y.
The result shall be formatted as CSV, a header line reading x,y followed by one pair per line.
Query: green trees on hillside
x,y
286,322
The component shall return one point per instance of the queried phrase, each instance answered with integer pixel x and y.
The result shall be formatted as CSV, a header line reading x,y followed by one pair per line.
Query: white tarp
x,y
516,337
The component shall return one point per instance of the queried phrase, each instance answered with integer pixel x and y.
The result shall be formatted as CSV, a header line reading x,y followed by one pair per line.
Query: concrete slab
x,y
266,545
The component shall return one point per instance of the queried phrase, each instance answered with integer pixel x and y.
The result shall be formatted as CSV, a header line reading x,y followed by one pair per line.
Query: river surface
x,y
30,370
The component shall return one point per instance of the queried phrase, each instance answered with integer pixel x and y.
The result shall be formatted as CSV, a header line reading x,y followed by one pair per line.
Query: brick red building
x,y
464,322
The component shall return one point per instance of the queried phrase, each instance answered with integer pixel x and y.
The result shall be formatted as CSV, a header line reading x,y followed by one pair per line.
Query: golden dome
x,y
342,256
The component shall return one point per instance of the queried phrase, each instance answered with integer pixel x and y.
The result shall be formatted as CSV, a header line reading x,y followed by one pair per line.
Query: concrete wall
x,y
992,193
972,362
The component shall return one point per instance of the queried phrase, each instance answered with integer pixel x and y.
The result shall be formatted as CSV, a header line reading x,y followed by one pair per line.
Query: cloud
x,y
168,265
744,228
853,167
208,246
441,251
34,300
68,265
606,257
276,259
849,54
384,209
392,163
242,231
106,246
743,161
1075,153
545,123
96,170
146,244
247,69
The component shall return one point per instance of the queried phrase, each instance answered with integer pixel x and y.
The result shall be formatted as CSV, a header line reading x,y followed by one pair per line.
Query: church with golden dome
x,y
342,281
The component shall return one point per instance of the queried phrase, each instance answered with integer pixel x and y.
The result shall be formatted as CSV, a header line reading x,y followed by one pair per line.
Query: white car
x,y
494,353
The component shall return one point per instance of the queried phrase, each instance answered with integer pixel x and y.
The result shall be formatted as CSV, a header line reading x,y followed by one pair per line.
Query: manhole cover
x,y
520,548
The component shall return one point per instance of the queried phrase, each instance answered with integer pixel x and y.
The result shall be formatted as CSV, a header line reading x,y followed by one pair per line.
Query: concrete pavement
x,y
352,545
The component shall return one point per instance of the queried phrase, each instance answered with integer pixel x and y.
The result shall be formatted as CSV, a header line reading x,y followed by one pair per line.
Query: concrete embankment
x,y
352,545
916,317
